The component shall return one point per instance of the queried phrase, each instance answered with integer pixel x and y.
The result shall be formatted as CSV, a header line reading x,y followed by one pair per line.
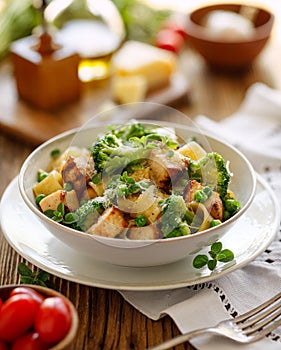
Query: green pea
x,y
41,175
214,223
55,153
140,220
39,198
208,191
200,196
67,186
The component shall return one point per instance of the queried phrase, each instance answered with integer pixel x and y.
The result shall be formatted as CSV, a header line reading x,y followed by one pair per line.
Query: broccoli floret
x,y
173,217
210,171
231,207
89,212
103,149
110,154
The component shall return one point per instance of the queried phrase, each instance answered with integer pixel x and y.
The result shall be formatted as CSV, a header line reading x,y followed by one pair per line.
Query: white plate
x,y
249,238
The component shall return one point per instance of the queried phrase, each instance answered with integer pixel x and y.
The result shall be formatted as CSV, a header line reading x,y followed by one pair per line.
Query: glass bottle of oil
x,y
93,28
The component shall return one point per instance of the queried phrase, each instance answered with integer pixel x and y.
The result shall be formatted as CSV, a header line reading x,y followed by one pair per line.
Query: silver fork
x,y
247,328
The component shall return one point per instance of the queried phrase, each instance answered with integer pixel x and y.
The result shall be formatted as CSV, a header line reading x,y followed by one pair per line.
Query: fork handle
x,y
182,338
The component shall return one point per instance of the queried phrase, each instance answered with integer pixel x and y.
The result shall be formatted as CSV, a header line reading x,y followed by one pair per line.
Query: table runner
x,y
255,129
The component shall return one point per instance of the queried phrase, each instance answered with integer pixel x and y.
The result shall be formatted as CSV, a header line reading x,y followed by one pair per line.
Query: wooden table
x,y
106,320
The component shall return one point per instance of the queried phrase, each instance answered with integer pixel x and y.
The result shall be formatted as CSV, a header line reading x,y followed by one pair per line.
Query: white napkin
x,y
256,130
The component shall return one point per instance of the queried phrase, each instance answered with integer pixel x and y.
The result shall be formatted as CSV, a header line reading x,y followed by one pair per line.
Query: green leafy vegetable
x,y
216,253
174,214
126,132
17,20
56,215
142,22
40,277
87,213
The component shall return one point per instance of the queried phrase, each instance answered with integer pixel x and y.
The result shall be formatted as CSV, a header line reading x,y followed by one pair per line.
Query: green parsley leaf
x,y
217,255
200,261
216,247
212,264
40,277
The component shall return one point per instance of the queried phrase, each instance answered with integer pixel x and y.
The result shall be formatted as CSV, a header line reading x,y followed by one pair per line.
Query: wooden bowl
x,y
225,53
66,342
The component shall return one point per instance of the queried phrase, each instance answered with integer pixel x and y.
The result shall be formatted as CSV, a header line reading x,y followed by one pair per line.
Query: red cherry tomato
x,y
17,315
3,346
26,290
29,341
53,320
176,27
169,40
1,302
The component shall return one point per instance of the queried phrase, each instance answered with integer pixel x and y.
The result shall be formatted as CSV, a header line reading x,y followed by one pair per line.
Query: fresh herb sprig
x,y
40,277
216,253
124,185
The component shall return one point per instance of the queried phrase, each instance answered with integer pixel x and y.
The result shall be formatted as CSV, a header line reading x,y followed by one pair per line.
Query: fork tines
x,y
261,318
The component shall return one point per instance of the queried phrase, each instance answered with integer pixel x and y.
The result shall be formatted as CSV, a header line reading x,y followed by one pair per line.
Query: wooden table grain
x,y
107,321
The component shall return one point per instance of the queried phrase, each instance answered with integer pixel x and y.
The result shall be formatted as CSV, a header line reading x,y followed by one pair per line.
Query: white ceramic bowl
x,y
137,252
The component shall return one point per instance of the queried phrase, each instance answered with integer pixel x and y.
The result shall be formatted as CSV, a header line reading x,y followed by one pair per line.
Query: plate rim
x,y
136,287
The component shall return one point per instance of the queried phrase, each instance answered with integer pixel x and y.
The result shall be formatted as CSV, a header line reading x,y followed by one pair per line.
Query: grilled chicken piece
x,y
110,224
145,232
51,202
164,169
77,172
214,206
190,190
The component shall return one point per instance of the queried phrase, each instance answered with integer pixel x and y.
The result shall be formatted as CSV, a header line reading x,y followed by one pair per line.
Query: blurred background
x,y
142,18
184,6
25,100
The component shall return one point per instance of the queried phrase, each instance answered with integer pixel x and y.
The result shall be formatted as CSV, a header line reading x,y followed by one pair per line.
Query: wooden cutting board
x,y
35,126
